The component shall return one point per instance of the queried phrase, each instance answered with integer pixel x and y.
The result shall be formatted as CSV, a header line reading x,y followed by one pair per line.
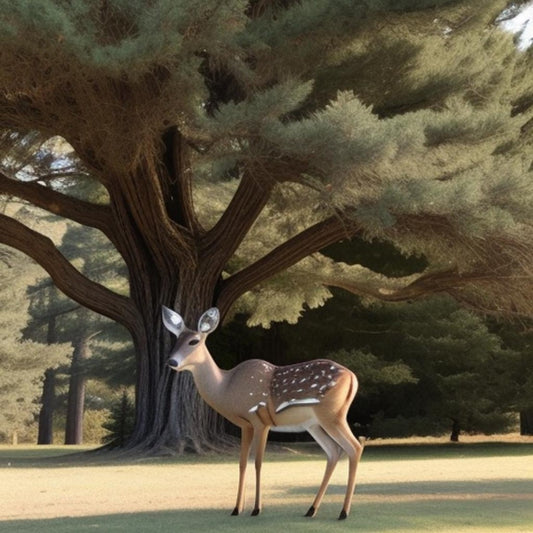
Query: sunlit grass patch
x,y
470,488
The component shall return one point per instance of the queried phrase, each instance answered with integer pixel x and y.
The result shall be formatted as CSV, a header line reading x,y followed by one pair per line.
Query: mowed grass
x,y
402,487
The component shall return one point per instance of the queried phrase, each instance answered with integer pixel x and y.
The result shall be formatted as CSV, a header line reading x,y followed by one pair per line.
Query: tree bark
x,y
76,393
456,430
46,414
169,410
526,422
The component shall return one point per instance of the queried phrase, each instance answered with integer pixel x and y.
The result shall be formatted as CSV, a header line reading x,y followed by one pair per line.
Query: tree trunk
x,y
46,414
76,393
456,430
526,422
169,411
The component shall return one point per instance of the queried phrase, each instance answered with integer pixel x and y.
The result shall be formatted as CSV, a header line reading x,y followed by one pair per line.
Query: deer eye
x,y
194,342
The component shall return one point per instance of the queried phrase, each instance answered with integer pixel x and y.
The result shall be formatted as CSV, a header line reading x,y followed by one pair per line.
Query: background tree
x,y
56,318
461,370
425,368
407,122
520,369
23,362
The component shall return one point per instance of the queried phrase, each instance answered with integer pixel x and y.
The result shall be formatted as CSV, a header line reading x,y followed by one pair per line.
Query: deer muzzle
x,y
173,363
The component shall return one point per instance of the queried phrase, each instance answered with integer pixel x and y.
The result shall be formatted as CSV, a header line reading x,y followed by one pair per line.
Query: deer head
x,y
188,350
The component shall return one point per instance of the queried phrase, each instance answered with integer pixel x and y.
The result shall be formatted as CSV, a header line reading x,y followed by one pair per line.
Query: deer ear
x,y
209,321
173,321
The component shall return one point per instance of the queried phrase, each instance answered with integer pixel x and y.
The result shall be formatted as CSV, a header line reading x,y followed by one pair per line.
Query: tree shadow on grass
x,y
505,505
288,518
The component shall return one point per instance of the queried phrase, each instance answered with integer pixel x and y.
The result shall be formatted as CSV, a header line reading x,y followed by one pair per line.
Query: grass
x,y
472,488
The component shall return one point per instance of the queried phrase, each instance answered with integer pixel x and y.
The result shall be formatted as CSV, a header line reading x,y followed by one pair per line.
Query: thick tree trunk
x,y
169,410
46,414
76,393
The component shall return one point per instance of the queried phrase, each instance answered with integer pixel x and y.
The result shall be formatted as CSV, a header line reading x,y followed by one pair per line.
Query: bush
x,y
120,420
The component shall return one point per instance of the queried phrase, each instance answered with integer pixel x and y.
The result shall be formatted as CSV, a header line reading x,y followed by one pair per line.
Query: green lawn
x,y
481,487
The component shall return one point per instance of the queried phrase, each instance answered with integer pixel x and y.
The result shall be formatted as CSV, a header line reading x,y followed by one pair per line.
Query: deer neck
x,y
208,378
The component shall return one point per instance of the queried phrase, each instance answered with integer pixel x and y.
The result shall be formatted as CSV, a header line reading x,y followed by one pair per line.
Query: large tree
x,y
235,139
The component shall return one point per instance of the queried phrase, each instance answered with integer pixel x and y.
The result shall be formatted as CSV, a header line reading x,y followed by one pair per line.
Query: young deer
x,y
258,396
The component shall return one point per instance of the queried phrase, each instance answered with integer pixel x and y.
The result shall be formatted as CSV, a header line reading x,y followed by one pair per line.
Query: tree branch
x,y
69,280
178,191
251,196
481,290
284,256
424,285
86,213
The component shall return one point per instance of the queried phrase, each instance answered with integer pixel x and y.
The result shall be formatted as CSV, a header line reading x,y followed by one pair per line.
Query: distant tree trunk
x,y
46,414
526,422
273,345
456,430
76,393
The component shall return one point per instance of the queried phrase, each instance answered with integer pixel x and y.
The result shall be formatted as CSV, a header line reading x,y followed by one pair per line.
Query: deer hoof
x,y
235,512
255,512
311,512
343,515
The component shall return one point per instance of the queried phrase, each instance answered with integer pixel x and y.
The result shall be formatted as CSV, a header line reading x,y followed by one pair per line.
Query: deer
x,y
258,396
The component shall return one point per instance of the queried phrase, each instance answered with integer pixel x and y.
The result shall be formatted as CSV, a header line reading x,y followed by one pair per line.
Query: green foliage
x,y
420,365
460,370
121,420
374,373
22,362
405,118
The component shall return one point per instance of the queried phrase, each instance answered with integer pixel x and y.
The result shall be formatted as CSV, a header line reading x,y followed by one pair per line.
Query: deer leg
x,y
342,434
246,440
333,453
259,444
